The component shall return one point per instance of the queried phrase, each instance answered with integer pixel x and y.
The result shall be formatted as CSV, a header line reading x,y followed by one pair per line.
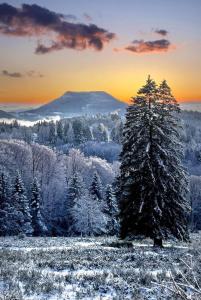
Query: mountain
x,y
5,115
77,104
73,104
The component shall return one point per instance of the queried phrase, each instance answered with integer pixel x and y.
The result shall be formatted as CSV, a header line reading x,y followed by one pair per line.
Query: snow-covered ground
x,y
97,268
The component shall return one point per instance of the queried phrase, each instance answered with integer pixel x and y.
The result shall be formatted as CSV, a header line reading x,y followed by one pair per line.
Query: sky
x,y
49,47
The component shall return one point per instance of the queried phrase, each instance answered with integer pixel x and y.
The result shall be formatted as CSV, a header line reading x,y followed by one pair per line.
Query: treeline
x,y
74,131
43,192
92,211
101,136
18,214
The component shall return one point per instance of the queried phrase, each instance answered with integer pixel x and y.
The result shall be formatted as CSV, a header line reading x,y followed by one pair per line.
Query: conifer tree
x,y
60,130
21,205
4,200
96,187
3,191
75,190
8,214
117,132
153,183
52,133
37,221
111,210
78,131
66,132
75,187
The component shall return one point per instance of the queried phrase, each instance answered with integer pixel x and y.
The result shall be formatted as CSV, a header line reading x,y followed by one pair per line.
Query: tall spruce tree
x,y
3,191
8,214
60,130
111,210
4,200
77,126
153,183
74,192
37,221
20,202
52,133
96,187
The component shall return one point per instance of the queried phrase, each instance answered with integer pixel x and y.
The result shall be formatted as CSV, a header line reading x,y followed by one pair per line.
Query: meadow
x,y
98,268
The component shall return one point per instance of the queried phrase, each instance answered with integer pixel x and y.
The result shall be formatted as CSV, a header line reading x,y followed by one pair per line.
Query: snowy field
x,y
101,268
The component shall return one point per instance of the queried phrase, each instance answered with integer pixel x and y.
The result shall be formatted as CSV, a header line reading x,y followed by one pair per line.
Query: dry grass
x,y
72,268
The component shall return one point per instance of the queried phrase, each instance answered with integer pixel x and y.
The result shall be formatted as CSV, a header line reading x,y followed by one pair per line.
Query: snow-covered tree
x,y
88,218
20,202
111,210
152,181
96,187
78,131
9,216
37,221
3,191
75,187
102,133
195,200
52,133
74,192
117,132
60,130
4,202
16,155
66,128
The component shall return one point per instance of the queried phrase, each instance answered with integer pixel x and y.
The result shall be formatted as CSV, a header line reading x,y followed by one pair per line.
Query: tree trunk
x,y
158,242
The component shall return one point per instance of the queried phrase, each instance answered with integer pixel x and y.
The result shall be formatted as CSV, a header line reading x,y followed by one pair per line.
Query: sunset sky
x,y
50,47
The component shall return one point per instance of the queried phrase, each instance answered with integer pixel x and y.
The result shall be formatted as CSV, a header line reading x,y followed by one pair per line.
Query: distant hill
x,y
77,104
5,115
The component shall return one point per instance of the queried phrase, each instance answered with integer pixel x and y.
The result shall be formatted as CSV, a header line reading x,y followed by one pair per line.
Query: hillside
x,y
5,115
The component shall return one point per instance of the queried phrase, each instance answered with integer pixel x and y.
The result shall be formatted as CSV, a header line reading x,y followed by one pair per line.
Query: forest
x,y
49,164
